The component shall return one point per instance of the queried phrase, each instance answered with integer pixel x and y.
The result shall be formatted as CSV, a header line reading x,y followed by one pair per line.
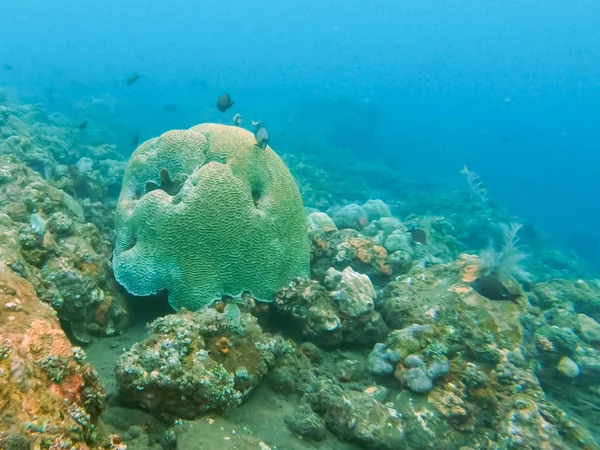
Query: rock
x,y
351,216
348,370
379,393
312,352
416,380
358,417
389,224
306,423
412,361
381,360
46,384
85,165
319,221
589,329
376,209
353,291
194,363
568,367
400,261
398,240
409,340
309,309
438,368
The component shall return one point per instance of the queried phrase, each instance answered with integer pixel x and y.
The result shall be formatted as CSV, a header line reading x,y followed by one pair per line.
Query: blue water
x,y
510,88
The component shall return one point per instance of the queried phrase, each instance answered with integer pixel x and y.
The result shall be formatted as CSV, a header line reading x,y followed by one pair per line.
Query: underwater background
x,y
442,155
510,89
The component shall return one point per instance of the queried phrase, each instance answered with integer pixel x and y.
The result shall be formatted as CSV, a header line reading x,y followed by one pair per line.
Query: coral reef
x,y
50,397
201,211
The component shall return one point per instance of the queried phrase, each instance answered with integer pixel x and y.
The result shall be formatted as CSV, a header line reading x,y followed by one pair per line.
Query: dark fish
x,y
82,125
491,288
418,235
132,78
8,67
135,141
224,102
171,108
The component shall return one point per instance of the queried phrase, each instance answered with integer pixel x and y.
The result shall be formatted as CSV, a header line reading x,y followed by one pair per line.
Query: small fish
x,y
171,108
237,120
491,288
8,67
224,102
132,78
261,134
135,141
83,125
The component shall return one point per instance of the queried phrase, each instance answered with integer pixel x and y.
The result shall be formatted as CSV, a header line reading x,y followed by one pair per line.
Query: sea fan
x,y
506,263
476,184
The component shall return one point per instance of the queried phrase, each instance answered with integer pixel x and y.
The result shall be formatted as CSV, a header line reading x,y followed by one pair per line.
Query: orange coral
x,y
69,389
385,269
44,337
223,345
364,255
90,268
321,243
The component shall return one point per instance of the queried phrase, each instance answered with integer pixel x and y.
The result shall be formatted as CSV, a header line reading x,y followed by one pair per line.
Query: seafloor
x,y
382,344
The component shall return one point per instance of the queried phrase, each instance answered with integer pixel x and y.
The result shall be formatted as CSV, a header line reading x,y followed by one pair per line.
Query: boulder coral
x,y
204,213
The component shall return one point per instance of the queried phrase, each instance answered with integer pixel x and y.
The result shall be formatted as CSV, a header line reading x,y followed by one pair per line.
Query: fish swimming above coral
x,y
224,102
476,184
237,120
491,288
83,125
261,134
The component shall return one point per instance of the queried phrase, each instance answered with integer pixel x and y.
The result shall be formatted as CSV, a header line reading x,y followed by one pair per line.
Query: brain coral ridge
x,y
204,213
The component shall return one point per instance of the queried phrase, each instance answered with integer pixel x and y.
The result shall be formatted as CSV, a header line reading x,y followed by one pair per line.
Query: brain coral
x,y
205,212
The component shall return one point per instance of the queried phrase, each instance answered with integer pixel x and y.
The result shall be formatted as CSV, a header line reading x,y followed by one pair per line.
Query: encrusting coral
x,y
203,213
